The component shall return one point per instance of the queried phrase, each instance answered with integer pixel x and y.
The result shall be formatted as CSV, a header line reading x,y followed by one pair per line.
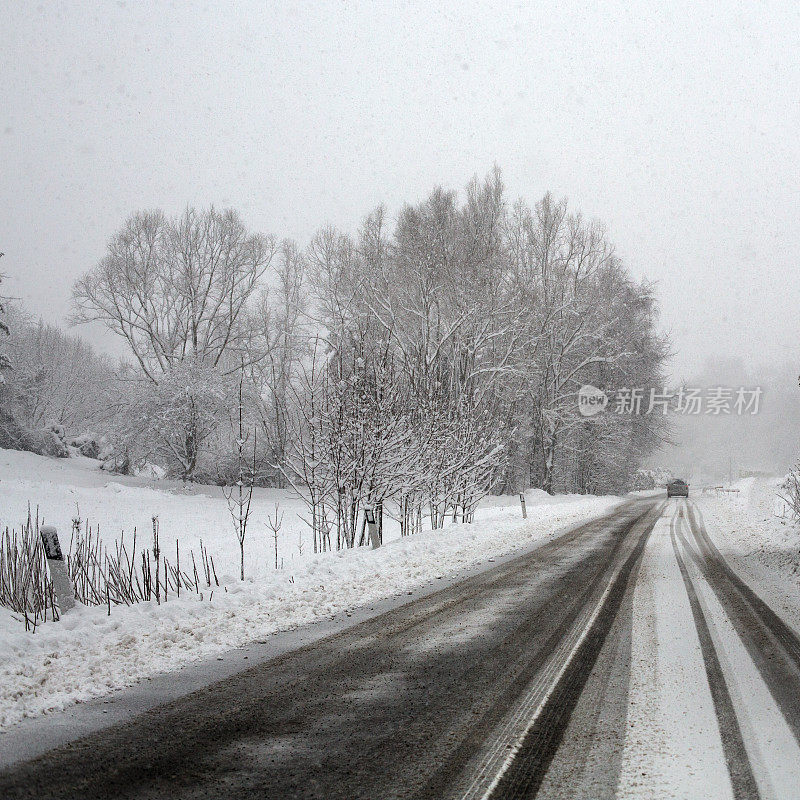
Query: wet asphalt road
x,y
401,706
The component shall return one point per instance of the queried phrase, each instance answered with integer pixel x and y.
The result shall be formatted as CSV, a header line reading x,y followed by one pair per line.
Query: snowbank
x,y
89,653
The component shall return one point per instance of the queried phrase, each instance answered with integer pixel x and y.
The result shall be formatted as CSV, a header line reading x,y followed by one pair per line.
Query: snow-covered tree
x,y
281,318
179,288
482,324
182,293
58,391
789,491
411,366
57,378
170,421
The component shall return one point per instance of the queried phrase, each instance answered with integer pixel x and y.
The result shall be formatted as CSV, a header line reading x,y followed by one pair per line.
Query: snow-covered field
x,y
759,543
89,653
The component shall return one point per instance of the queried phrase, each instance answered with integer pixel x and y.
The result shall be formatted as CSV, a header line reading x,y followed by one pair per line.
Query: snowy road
x,y
696,692
622,659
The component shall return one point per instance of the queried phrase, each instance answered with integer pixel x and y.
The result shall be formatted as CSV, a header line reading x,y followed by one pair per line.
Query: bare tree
x,y
174,288
281,316
274,523
240,497
181,293
790,491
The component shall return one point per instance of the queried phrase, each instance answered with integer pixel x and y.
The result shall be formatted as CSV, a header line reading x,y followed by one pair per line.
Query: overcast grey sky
x,y
674,123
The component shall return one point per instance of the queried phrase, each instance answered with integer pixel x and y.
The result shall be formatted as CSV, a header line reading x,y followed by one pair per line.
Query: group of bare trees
x,y
53,383
405,369
591,324
55,377
450,352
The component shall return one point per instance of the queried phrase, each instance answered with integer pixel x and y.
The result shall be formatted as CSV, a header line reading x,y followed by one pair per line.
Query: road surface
x,y
622,659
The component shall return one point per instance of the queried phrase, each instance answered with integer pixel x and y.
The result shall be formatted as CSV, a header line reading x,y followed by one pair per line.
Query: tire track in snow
x,y
672,748
771,643
742,778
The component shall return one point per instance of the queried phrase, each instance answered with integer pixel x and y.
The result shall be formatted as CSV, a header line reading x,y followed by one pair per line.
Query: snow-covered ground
x,y
759,543
89,653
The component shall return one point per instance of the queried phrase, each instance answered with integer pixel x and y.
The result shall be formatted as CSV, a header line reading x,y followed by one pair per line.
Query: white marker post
x,y
369,515
65,594
522,503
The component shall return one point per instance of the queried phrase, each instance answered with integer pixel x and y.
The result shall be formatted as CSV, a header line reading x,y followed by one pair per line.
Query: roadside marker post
x,y
369,515
522,503
65,595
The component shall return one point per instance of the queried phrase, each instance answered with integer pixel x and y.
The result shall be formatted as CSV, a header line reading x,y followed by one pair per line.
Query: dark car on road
x,y
677,488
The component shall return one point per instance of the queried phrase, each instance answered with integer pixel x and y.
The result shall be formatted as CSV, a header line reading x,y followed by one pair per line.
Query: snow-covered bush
x,y
91,445
118,462
643,479
171,422
790,491
13,436
151,471
50,441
